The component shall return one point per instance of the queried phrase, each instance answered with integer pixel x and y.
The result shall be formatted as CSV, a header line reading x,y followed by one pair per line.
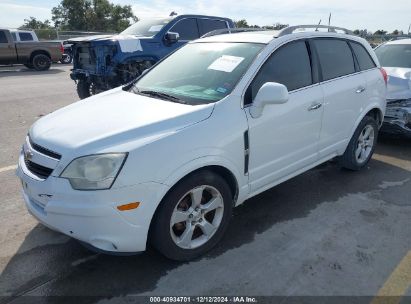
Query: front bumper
x,y
92,216
389,127
397,120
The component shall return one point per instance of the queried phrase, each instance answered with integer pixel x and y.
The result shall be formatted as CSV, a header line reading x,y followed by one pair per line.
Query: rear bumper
x,y
92,216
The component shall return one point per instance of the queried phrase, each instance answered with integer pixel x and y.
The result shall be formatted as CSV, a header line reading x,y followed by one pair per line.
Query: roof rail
x,y
332,29
232,30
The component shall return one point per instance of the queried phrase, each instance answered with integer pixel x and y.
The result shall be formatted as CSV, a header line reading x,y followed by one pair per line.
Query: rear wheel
x,y
41,62
67,59
362,145
192,217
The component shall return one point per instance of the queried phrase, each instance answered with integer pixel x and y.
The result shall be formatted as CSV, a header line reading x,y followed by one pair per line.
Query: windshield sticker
x,y
226,63
155,28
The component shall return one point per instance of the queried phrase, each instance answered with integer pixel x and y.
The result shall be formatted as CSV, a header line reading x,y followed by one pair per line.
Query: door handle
x,y
360,90
315,107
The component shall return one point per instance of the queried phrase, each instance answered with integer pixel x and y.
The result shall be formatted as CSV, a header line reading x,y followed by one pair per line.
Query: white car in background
x,y
166,158
395,57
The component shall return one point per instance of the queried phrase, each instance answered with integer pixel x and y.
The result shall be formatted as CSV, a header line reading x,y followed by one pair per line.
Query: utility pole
x,y
329,20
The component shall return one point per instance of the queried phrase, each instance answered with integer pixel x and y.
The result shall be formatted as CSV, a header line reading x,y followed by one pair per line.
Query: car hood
x,y
111,119
399,83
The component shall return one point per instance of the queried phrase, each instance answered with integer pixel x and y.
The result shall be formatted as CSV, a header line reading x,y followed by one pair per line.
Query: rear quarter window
x,y
363,57
25,37
336,58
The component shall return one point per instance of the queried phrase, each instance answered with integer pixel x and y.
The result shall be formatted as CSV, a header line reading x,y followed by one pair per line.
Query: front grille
x,y
44,150
38,170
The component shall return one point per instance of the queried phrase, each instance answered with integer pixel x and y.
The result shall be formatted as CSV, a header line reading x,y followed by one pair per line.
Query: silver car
x,y
395,58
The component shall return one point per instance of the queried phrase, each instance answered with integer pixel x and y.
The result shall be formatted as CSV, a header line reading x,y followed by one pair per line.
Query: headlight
x,y
94,172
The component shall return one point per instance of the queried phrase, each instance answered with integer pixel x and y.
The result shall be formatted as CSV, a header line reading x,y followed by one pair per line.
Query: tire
x,y
201,228
67,59
41,62
29,66
361,146
83,89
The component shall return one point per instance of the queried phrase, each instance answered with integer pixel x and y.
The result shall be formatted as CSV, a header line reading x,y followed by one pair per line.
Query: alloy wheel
x,y
196,217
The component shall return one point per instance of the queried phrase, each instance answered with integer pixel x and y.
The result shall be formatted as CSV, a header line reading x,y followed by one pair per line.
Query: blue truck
x,y
103,62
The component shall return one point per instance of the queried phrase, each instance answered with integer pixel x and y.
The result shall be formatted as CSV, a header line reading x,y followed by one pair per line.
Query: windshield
x,y
394,55
200,73
146,28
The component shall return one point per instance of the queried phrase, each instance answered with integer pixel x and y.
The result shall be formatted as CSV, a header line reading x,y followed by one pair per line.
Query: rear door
x,y
344,89
208,25
7,50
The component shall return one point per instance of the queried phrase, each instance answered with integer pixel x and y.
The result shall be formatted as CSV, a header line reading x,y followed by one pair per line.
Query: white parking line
x,y
8,168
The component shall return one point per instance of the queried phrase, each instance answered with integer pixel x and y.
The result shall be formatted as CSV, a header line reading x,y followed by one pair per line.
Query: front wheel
x,y
193,217
362,145
86,89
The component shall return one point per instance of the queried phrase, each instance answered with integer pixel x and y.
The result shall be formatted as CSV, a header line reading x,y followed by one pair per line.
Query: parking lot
x,y
328,232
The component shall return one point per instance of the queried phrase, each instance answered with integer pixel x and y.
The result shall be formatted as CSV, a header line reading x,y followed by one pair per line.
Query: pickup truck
x,y
104,62
36,55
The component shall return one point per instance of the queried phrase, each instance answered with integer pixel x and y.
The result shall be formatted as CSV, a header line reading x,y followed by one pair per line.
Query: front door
x,y
7,50
285,138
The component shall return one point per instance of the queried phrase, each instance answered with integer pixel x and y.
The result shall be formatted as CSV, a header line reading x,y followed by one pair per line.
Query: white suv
x,y
166,158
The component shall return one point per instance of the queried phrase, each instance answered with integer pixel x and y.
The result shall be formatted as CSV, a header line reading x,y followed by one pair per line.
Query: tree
x,y
92,15
396,32
33,23
241,23
380,32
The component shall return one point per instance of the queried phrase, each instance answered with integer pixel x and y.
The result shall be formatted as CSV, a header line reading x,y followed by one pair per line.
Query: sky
x,y
351,14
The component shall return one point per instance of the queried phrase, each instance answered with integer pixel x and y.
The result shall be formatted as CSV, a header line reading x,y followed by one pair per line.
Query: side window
x,y
186,28
3,37
209,25
364,59
26,37
336,58
289,65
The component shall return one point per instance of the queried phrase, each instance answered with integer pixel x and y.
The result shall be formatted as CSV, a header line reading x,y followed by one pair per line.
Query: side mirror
x,y
269,93
172,37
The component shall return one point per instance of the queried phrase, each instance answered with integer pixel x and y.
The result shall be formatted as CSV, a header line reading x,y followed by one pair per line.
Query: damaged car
x,y
104,62
395,57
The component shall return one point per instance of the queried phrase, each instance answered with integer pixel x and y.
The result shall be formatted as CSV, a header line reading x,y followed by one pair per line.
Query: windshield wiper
x,y
161,95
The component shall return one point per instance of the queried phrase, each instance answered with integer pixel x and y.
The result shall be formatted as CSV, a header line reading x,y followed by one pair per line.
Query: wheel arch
x,y
375,111
220,170
377,114
37,52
